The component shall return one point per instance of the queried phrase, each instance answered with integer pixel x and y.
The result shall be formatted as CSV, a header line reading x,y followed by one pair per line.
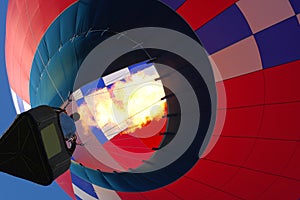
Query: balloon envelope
x,y
254,50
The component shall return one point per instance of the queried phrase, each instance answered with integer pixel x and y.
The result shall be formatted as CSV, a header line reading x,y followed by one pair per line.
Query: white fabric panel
x,y
14,97
116,76
77,95
83,195
106,194
26,106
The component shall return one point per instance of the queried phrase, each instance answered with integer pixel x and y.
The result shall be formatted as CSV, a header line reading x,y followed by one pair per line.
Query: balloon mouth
x,y
127,102
160,85
127,110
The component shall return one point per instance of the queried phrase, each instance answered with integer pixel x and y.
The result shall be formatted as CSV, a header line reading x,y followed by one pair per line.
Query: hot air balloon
x,y
181,99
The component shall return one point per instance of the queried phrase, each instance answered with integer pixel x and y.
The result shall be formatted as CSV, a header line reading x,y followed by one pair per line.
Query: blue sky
x,y
12,188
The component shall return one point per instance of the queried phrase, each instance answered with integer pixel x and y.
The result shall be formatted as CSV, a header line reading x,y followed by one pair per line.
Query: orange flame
x,y
127,105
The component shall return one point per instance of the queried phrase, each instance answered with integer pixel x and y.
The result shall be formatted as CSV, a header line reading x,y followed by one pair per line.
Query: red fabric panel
x,y
271,155
231,150
220,118
153,141
130,143
222,196
283,189
199,12
245,90
293,168
214,174
190,189
221,95
88,160
281,121
130,196
220,122
139,144
26,23
243,121
160,194
65,182
124,158
206,182
282,83
249,184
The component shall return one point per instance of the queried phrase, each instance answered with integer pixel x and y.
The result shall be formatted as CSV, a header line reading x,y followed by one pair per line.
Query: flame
x,y
126,105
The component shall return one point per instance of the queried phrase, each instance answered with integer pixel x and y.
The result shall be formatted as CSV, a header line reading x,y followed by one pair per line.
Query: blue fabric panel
x,y
77,197
83,24
99,134
67,20
138,67
20,104
67,49
52,40
175,4
93,176
98,178
112,181
85,186
57,75
79,170
224,30
67,61
100,84
117,182
296,5
139,182
38,63
62,73
111,85
89,88
80,101
280,43
43,54
41,83
92,86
